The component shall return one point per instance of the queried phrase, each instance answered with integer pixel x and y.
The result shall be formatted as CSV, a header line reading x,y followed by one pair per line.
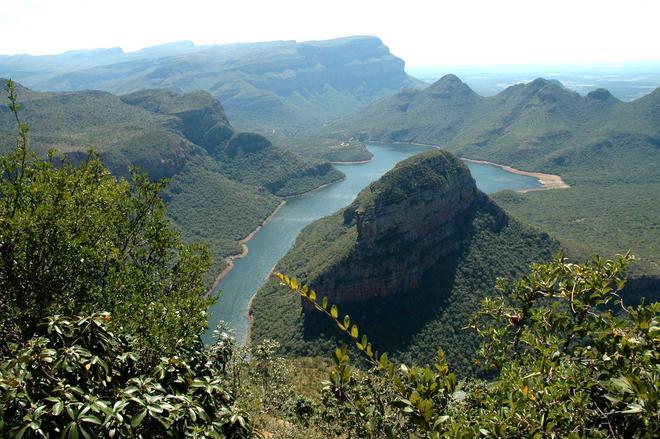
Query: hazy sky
x,y
421,32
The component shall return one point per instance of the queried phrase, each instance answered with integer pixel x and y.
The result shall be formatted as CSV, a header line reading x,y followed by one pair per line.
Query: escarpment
x,y
404,223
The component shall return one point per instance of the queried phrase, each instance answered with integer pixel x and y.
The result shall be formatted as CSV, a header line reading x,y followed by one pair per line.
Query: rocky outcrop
x,y
405,223
198,115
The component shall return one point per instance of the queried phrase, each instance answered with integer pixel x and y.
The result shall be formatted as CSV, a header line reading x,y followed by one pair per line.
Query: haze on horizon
x,y
423,33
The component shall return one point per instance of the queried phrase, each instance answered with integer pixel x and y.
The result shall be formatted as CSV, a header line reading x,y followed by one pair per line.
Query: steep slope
x,y
223,183
606,149
267,86
409,260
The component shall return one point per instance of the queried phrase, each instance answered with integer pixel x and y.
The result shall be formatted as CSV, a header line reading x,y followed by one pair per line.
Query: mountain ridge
x,y
273,85
214,194
605,149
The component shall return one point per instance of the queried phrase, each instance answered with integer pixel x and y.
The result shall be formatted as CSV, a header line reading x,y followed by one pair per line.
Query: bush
x,y
75,378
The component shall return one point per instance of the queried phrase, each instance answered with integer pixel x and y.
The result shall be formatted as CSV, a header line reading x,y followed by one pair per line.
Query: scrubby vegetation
x,y
75,239
570,360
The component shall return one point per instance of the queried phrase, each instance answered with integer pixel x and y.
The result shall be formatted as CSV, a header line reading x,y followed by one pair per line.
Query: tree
x,y
74,239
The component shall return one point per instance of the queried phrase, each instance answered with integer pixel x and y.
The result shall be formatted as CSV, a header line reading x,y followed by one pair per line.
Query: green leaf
x,y
137,420
383,360
633,408
57,408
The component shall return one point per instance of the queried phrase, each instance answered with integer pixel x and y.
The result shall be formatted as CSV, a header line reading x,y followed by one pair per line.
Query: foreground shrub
x,y
78,379
569,360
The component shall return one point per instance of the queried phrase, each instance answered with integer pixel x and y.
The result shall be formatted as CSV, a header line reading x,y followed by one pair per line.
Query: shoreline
x,y
547,181
248,316
230,259
351,162
318,188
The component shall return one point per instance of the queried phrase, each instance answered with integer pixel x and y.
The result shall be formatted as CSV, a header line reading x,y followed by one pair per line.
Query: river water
x,y
273,241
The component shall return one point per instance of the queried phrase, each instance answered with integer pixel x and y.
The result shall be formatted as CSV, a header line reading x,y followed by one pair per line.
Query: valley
x,y
383,263
355,220
278,235
222,183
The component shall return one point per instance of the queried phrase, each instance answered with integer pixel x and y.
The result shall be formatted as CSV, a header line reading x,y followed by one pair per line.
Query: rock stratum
x,y
409,260
404,224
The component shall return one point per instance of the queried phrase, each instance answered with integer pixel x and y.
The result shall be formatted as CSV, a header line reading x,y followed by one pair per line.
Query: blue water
x,y
275,239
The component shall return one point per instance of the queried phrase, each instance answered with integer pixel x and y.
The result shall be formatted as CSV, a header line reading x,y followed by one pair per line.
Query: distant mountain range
x,y
223,183
608,150
274,86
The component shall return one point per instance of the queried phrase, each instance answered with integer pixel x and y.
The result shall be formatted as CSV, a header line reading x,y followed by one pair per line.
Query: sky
x,y
423,33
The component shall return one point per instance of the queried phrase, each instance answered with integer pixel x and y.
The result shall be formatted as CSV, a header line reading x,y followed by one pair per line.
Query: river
x,y
275,239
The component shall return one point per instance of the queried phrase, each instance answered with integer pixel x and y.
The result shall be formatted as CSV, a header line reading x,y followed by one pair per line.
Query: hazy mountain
x,y
626,80
223,183
282,85
409,260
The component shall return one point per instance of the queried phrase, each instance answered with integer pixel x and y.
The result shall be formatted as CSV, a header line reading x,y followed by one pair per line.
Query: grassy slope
x,y
212,197
415,323
607,150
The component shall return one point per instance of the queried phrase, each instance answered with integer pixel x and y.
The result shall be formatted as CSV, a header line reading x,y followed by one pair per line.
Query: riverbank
x,y
547,181
245,251
275,239
350,162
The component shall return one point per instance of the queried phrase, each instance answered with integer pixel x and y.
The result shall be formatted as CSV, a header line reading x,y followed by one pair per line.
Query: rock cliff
x,y
405,223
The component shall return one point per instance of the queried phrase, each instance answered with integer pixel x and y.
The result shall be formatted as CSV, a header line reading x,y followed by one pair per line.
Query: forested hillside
x,y
223,183
606,149
410,259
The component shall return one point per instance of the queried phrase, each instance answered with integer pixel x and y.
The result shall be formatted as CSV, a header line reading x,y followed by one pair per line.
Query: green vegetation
x,y
75,378
566,364
567,356
75,239
222,183
602,147
323,148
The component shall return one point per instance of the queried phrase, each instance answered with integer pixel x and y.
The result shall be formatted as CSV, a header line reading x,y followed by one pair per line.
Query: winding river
x,y
276,237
